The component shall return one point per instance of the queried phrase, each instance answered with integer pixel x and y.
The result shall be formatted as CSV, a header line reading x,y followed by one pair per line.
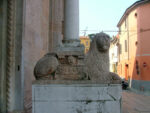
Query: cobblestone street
x,y
135,103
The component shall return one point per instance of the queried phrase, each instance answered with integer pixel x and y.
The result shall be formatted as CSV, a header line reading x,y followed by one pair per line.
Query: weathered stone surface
x,y
56,23
18,111
69,82
70,73
46,67
63,65
97,59
70,50
71,63
76,98
35,41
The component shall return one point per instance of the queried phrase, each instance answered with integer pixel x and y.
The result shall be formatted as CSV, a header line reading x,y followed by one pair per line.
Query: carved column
x,y
10,55
14,79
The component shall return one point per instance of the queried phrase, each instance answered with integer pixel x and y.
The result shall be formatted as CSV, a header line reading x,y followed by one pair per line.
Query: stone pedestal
x,y
75,97
71,64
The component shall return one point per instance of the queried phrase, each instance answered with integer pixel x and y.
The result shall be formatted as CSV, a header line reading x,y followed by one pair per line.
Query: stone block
x,y
76,98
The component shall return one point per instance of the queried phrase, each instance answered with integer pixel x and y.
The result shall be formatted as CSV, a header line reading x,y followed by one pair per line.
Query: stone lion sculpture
x,y
97,60
96,65
46,67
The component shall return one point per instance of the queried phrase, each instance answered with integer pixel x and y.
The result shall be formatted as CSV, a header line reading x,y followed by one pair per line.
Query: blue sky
x,y
102,15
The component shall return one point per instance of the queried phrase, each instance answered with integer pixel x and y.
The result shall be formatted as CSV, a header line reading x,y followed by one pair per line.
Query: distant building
x,y
113,54
85,40
134,45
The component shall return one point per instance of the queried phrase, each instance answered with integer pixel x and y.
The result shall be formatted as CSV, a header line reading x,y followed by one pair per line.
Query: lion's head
x,y
102,42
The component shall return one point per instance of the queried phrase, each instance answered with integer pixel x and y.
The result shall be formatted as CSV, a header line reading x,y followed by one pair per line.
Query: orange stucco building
x,y
134,45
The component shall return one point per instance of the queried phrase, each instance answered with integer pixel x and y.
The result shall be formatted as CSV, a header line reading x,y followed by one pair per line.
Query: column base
x,y
71,59
71,42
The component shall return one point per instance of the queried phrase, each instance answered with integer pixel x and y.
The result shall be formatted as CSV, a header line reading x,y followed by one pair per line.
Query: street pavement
x,y
135,103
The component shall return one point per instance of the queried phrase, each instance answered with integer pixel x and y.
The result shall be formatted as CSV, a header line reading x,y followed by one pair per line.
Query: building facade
x,y
113,54
134,47
85,40
28,30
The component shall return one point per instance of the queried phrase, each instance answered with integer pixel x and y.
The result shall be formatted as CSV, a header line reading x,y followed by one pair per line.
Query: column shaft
x,y
71,30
